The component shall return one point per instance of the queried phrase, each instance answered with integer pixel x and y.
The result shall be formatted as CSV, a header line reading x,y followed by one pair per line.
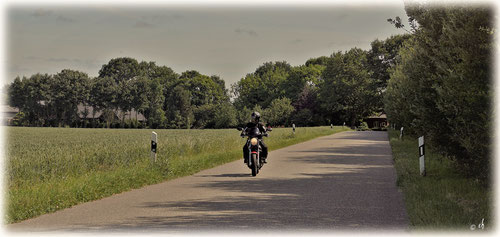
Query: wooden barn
x,y
377,121
7,114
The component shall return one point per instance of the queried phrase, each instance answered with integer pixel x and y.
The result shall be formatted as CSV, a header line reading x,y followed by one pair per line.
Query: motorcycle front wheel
x,y
254,165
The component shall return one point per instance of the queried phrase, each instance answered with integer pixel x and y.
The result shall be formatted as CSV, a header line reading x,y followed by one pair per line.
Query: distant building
x,y
7,113
86,112
377,121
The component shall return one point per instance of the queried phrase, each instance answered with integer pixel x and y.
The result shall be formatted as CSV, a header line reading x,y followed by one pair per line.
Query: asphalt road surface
x,y
344,182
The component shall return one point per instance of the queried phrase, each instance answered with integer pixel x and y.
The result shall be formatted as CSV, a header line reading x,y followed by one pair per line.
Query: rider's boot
x,y
264,160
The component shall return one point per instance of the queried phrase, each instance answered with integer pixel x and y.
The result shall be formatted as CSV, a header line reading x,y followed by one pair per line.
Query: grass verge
x,y
49,169
443,200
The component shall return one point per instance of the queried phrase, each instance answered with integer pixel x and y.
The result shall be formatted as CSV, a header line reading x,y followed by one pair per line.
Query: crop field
x,y
48,169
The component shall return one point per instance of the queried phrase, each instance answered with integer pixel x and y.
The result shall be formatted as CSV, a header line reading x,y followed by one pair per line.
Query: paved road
x,y
345,181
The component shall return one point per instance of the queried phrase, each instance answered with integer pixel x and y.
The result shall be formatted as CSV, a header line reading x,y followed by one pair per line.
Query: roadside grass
x,y
49,169
443,200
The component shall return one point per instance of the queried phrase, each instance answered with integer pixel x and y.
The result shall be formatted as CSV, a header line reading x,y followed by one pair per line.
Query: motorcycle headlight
x,y
254,141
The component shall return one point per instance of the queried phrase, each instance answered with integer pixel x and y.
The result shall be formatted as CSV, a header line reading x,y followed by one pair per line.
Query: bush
x,y
363,127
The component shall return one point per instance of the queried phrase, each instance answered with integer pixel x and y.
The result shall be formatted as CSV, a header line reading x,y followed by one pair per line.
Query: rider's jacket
x,y
261,126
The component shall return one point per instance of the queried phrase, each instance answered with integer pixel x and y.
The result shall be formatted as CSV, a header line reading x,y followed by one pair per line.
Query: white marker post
x,y
331,126
293,126
154,142
421,153
401,134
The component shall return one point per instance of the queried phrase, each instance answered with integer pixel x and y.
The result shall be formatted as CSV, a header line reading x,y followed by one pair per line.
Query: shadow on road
x,y
365,136
348,200
355,190
227,175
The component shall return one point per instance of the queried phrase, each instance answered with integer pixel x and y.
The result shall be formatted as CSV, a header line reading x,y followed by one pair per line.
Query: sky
x,y
226,40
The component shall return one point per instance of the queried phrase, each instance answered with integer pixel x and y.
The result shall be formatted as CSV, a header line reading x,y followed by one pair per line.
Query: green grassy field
x,y
443,199
54,168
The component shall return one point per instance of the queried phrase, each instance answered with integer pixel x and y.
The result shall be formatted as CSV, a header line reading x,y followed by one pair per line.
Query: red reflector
x,y
254,152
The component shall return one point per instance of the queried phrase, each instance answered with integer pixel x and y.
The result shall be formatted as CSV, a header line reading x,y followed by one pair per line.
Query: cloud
x,y
65,19
341,16
143,24
41,13
17,68
245,31
177,16
32,58
86,62
58,60
163,17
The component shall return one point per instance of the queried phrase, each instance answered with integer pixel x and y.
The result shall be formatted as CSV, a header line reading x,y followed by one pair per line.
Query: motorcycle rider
x,y
255,122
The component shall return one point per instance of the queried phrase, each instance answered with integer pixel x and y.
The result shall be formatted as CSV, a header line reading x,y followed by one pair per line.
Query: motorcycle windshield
x,y
253,132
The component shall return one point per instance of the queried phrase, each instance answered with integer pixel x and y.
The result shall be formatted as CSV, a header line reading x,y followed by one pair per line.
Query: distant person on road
x,y
255,122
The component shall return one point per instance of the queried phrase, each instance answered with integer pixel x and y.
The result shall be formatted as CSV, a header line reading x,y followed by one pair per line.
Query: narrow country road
x,y
345,181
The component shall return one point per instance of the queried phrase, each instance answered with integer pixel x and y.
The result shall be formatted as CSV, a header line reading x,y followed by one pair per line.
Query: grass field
x,y
54,168
443,199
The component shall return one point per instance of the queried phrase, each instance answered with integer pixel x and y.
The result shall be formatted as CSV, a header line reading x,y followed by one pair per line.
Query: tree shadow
x,y
350,200
364,136
353,189
237,175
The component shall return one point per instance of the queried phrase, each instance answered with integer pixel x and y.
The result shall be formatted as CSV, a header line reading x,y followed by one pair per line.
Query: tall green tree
x,y
152,71
307,107
124,97
346,87
180,113
204,90
69,89
319,61
103,97
384,55
262,86
121,69
243,116
139,93
16,93
204,116
298,78
194,99
225,115
279,112
381,59
442,87
153,111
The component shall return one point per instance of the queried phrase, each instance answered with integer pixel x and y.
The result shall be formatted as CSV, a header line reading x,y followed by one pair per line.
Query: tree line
x,y
164,98
345,87
442,86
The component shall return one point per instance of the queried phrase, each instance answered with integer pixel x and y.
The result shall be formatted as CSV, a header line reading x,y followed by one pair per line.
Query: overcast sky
x,y
225,41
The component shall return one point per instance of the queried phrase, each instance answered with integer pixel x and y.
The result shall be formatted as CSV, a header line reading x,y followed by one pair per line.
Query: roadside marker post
x,y
421,153
293,125
331,126
154,143
401,134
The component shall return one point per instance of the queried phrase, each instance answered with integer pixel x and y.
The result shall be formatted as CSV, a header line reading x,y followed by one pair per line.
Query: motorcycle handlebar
x,y
264,135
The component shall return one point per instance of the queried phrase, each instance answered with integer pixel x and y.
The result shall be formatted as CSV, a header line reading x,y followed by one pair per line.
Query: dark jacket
x,y
260,125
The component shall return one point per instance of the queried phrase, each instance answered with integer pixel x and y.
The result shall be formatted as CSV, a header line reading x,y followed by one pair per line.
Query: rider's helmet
x,y
255,117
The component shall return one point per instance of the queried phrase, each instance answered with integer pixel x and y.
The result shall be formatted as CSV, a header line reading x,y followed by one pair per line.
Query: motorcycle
x,y
254,135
